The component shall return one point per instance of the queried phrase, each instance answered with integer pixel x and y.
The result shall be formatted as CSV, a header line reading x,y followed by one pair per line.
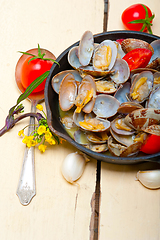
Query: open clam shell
x,y
128,107
86,47
125,140
156,82
106,86
105,56
80,137
122,92
67,92
95,124
97,138
78,117
73,58
154,99
141,86
99,148
120,52
95,73
57,79
122,71
120,150
105,106
118,126
87,84
156,46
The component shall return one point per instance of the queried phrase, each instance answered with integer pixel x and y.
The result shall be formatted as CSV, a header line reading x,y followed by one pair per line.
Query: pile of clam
x,y
109,108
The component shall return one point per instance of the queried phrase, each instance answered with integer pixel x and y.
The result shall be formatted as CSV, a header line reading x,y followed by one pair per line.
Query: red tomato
x,y
32,70
151,145
137,13
138,58
120,40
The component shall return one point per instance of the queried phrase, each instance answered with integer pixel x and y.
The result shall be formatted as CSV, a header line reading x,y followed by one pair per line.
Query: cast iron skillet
x,y
51,100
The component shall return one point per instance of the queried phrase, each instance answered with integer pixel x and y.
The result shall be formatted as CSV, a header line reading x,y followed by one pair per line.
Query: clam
x,y
122,92
98,147
156,81
106,86
99,137
120,150
142,118
125,140
78,117
141,87
128,107
86,47
95,73
80,137
67,92
131,43
104,56
156,46
120,127
95,124
68,122
105,106
154,99
120,52
57,79
155,64
153,129
73,58
86,95
122,71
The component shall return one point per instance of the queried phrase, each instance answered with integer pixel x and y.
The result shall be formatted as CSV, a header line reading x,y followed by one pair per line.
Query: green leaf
x,y
146,10
26,53
151,18
149,30
32,86
138,21
29,90
39,51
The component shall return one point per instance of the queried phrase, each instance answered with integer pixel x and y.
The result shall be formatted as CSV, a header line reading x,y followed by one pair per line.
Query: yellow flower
x,y
51,141
21,133
39,107
29,141
48,135
41,130
42,148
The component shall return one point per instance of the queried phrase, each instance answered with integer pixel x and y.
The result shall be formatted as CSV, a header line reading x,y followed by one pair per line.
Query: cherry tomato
x,y
151,145
141,17
138,58
32,70
120,40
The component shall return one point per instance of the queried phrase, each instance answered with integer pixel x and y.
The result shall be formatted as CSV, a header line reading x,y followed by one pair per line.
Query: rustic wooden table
x,y
127,210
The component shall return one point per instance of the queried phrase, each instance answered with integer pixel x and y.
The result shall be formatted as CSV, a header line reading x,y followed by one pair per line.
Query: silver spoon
x,y
26,189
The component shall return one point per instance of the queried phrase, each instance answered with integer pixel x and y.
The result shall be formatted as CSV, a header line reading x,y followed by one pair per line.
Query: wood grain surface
x,y
62,211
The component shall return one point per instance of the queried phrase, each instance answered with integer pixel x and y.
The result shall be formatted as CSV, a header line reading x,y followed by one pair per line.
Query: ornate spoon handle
x,y
27,186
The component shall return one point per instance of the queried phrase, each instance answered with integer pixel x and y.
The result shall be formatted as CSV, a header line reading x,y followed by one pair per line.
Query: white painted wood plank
x,y
59,210
128,211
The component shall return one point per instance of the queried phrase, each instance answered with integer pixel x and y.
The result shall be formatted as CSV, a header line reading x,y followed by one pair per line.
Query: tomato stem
x,y
146,22
40,56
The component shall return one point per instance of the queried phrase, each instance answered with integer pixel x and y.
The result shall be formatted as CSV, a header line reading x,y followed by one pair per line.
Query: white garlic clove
x,y
150,178
73,166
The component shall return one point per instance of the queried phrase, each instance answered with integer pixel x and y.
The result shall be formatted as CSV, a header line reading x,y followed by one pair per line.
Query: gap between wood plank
x,y
95,201
95,206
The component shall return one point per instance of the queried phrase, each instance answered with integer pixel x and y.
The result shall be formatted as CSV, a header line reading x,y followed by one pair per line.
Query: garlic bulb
x,y
150,178
73,166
